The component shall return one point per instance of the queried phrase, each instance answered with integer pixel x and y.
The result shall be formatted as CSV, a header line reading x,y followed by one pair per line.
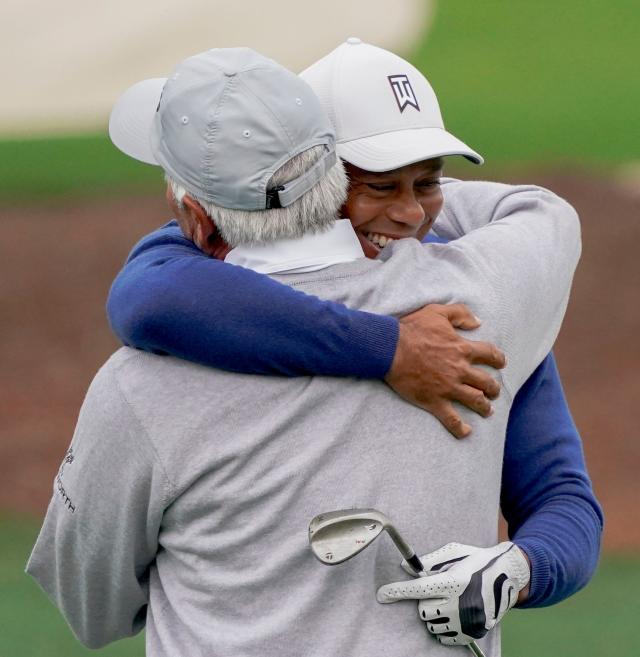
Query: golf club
x,y
336,536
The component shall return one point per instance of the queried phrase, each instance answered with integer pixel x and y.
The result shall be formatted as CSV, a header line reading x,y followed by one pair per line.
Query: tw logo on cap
x,y
403,91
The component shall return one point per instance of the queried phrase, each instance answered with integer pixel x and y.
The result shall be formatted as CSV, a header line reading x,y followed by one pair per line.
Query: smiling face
x,y
393,204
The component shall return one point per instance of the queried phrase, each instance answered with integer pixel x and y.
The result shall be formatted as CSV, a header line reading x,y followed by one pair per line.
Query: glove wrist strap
x,y
519,568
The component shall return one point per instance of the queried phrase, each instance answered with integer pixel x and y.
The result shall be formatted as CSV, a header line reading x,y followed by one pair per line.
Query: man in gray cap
x,y
185,497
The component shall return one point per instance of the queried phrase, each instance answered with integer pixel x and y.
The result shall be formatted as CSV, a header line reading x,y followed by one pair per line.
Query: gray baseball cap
x,y
222,124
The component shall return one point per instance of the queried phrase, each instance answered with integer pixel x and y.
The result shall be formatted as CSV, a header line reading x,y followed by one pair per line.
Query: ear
x,y
203,230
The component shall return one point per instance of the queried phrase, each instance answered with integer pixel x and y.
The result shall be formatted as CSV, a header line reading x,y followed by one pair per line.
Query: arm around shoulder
x,y
470,205
170,298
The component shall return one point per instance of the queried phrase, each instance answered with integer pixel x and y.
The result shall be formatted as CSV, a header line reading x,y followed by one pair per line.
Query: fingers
x,y
448,555
453,639
483,381
468,396
441,625
431,588
486,353
441,621
458,314
450,419
440,560
436,624
473,399
410,571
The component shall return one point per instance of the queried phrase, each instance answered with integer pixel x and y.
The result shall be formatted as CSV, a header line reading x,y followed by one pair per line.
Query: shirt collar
x,y
307,253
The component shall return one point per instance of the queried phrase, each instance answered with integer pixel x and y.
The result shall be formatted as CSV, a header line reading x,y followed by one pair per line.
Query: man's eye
x,y
380,187
428,183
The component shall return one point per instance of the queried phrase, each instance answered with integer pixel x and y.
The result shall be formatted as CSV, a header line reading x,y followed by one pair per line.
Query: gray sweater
x,y
190,490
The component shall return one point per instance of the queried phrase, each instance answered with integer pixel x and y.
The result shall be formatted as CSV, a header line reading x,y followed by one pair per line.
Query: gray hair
x,y
313,212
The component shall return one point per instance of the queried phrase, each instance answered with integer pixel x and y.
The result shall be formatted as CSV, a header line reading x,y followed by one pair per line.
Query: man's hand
x,y
466,591
432,366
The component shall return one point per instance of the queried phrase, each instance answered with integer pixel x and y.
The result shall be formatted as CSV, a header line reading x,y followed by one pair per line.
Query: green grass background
x,y
596,622
522,82
541,80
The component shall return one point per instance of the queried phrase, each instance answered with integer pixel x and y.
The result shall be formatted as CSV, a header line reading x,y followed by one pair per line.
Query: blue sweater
x,y
172,299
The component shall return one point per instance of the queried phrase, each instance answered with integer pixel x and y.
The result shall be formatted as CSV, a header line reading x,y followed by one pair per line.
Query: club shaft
x,y
475,649
405,549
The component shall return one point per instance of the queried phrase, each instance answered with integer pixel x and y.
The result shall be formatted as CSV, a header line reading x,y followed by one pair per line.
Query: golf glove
x,y
466,591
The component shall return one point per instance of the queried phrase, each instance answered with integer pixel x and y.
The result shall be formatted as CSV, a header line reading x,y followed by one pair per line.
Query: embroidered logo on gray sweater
x,y
68,458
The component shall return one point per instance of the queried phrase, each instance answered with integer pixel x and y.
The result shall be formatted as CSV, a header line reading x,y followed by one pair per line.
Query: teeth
x,y
380,240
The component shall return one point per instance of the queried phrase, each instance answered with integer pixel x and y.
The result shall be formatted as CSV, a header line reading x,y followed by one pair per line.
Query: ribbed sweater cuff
x,y
378,339
540,572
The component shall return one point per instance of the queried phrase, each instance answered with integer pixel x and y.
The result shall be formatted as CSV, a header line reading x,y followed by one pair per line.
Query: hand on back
x,y
434,365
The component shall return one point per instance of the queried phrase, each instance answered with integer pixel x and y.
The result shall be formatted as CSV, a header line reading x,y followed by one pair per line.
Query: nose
x,y
407,210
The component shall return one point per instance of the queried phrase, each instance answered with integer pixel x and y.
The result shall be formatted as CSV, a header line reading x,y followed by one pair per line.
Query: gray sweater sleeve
x,y
525,254
472,204
100,534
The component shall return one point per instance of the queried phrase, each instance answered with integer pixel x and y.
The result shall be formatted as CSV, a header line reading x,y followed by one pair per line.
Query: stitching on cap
x,y
212,129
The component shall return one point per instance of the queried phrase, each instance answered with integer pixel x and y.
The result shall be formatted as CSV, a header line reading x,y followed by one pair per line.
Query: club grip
x,y
415,563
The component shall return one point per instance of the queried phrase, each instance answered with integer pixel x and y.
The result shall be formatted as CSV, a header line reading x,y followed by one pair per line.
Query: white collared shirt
x,y
307,253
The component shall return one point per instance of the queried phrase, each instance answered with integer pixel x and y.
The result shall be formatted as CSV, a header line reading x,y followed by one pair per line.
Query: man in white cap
x,y
172,299
185,496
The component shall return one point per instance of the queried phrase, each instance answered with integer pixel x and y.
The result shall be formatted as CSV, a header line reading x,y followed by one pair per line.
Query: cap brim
x,y
132,118
392,150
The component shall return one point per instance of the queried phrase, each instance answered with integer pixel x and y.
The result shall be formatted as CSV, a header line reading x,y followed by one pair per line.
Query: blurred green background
x,y
523,83
539,81
530,84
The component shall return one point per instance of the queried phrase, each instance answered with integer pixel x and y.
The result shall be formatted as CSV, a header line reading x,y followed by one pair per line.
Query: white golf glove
x,y
466,591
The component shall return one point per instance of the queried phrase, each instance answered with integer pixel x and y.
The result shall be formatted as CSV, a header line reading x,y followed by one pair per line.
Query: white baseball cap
x,y
384,111
222,124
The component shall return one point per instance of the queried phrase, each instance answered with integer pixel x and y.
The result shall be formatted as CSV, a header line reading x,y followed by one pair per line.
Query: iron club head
x,y
339,535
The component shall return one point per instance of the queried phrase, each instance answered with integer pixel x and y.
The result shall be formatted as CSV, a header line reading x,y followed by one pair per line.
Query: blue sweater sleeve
x,y
171,298
547,498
